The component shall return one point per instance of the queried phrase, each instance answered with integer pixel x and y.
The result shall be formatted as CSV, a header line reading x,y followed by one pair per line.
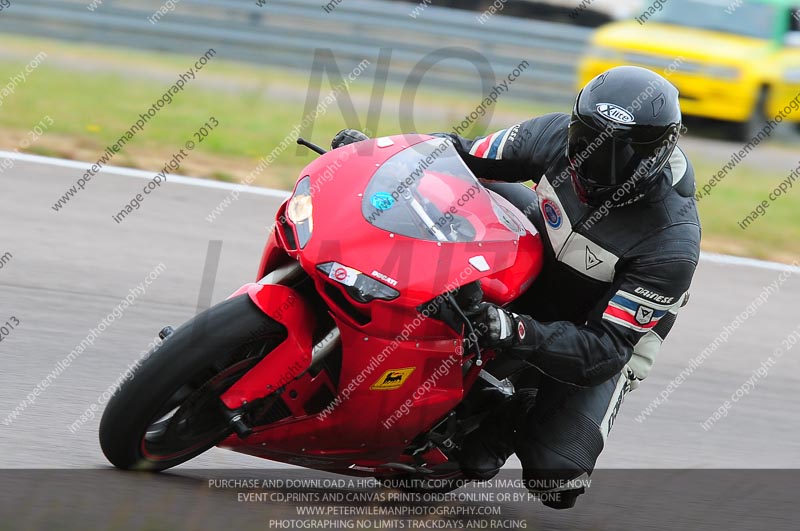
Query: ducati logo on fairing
x,y
385,278
615,113
392,379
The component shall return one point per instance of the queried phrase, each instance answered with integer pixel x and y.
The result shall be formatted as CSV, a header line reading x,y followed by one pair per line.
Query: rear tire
x,y
185,376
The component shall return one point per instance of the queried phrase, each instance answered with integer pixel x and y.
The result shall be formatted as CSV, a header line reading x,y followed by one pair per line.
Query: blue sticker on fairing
x,y
382,200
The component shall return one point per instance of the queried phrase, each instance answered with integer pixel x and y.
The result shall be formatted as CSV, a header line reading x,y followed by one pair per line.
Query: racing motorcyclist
x,y
614,204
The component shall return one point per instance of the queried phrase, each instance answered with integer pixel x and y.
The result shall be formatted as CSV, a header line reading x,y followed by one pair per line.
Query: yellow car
x,y
733,60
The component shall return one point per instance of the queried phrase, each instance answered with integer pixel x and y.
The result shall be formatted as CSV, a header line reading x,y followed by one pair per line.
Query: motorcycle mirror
x,y
310,145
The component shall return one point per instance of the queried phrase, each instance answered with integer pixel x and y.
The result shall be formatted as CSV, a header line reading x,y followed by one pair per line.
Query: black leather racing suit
x,y
609,292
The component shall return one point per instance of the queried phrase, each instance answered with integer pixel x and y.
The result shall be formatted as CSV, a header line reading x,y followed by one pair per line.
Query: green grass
x,y
256,107
774,235
95,94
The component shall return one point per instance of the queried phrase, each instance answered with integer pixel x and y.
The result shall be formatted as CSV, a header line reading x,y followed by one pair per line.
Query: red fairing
x,y
506,285
381,227
367,421
273,256
289,359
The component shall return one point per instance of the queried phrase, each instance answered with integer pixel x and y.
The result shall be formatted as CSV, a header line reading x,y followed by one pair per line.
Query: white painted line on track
x,y
142,174
747,262
282,194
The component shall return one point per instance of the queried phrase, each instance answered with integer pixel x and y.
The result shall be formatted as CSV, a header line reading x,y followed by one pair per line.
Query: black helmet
x,y
624,127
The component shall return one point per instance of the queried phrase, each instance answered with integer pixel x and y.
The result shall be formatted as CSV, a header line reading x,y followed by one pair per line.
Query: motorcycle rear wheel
x,y
169,411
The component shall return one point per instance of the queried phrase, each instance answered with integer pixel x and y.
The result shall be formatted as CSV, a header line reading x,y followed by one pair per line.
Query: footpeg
x,y
165,332
239,426
236,422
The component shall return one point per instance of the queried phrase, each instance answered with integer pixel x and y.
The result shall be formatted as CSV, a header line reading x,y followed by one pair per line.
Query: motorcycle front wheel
x,y
169,411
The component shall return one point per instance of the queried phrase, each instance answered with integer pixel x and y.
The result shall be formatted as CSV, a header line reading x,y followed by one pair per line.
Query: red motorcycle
x,y
354,352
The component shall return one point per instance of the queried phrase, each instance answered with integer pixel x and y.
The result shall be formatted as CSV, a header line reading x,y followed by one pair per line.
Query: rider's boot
x,y
486,450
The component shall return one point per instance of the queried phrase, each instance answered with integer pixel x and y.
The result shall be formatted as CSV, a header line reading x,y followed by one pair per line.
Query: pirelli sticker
x,y
392,379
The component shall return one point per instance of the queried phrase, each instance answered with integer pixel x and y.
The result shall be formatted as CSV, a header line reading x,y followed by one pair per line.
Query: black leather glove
x,y
347,136
499,328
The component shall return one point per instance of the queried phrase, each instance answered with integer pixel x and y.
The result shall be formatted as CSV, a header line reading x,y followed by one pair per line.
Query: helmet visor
x,y
604,163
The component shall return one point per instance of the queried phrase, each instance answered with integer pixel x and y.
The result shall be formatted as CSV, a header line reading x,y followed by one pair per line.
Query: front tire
x,y
169,411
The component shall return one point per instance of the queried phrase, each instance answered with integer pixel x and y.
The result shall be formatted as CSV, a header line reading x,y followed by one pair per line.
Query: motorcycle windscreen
x,y
428,193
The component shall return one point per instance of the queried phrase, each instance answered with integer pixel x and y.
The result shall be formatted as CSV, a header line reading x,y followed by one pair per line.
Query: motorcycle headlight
x,y
361,287
300,211
723,72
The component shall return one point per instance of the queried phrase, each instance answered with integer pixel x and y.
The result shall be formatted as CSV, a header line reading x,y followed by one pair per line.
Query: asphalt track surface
x,y
70,268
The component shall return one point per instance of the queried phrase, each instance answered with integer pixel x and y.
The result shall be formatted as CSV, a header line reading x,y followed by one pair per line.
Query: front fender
x,y
290,358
